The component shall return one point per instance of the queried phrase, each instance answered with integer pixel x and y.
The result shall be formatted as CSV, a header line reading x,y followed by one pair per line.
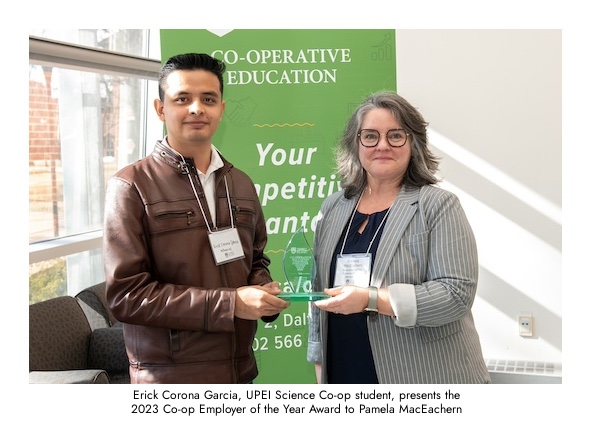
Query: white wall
x,y
493,99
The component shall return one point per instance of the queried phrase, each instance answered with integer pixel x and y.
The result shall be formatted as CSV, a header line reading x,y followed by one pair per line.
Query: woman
x,y
398,258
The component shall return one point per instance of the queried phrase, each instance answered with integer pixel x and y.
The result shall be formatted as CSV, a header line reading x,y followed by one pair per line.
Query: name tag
x,y
353,269
226,246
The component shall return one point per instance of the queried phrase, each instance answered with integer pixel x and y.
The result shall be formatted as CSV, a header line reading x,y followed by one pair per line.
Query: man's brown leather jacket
x,y
177,305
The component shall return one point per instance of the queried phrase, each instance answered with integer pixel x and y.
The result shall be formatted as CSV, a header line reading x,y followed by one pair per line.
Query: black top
x,y
350,359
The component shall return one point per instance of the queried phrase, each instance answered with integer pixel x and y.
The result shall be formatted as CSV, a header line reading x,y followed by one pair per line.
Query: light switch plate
x,y
525,325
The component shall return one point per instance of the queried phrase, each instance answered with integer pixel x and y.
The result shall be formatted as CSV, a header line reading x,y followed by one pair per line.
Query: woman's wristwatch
x,y
372,309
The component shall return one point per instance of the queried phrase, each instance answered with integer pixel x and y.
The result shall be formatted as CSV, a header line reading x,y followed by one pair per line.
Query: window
x,y
90,114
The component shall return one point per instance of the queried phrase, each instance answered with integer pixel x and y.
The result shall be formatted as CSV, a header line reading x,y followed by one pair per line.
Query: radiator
x,y
524,371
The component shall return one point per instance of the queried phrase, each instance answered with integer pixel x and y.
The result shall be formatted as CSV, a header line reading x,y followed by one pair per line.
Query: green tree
x,y
48,282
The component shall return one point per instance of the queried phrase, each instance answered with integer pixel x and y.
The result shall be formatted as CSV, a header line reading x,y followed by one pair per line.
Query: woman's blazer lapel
x,y
404,209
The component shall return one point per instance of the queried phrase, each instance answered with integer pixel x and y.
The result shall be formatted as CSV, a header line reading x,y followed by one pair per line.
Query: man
x,y
184,243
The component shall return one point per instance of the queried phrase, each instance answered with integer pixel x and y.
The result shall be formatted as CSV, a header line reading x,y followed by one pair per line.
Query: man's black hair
x,y
190,61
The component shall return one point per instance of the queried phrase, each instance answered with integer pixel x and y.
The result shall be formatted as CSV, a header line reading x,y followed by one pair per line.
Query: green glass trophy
x,y
300,270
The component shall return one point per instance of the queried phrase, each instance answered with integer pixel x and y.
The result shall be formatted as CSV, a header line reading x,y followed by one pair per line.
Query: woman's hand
x,y
347,299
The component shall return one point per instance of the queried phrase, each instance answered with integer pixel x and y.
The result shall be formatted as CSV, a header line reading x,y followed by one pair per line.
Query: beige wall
x,y
494,102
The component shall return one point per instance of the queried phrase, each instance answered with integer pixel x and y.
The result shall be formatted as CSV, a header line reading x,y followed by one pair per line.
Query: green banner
x,y
288,95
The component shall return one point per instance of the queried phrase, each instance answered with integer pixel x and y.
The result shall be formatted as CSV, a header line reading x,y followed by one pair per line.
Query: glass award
x,y
300,270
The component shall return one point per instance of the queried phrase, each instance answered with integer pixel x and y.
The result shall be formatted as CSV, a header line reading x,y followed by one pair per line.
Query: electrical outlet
x,y
525,325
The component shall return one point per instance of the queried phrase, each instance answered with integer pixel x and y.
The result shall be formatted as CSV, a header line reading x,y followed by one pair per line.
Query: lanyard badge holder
x,y
355,269
225,244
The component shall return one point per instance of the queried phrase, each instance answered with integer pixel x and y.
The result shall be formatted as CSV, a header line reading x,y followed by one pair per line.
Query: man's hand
x,y
255,301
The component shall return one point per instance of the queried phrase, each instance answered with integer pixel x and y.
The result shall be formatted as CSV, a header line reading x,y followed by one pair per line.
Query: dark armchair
x,y
76,340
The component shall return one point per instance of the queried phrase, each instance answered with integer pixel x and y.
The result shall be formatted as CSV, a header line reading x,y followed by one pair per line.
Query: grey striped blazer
x,y
427,258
